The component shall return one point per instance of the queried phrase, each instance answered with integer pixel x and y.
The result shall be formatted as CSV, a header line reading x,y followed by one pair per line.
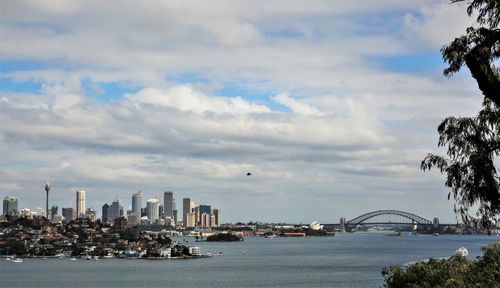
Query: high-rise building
x,y
161,212
10,205
217,219
69,214
168,204
205,220
205,209
90,214
137,203
153,211
53,212
115,211
80,203
105,209
190,220
186,209
175,218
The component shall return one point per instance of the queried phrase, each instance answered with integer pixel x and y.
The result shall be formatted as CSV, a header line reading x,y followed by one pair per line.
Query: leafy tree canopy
x,y
474,142
478,48
457,272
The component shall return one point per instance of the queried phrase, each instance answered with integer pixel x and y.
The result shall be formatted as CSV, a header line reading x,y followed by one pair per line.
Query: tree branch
x,y
478,61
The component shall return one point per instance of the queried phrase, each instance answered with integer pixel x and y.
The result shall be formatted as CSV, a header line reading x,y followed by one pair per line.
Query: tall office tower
x,y
205,209
186,209
69,214
161,212
53,212
115,211
205,220
175,218
168,204
105,209
196,211
190,220
47,189
153,211
216,214
10,205
80,203
137,203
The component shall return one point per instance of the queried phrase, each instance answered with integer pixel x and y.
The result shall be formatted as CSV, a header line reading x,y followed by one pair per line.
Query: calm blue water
x,y
346,260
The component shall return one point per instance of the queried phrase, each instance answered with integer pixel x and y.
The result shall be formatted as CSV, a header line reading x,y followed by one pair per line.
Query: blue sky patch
x,y
412,63
108,91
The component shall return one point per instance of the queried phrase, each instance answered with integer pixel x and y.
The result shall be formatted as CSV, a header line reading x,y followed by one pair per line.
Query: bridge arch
x,y
360,219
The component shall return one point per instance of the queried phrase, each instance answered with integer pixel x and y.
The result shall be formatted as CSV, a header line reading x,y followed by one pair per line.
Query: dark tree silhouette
x,y
474,142
478,48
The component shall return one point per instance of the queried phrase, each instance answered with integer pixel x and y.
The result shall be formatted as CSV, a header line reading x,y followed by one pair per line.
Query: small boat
x,y
271,236
17,260
8,259
72,259
393,234
435,234
462,251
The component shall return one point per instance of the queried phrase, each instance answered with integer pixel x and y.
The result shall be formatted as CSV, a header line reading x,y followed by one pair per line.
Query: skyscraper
x,y
69,214
186,209
137,203
10,205
105,209
216,214
168,204
115,211
53,212
153,211
80,203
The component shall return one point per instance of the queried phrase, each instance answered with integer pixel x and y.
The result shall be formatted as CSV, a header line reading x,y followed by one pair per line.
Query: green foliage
x,y
473,145
454,272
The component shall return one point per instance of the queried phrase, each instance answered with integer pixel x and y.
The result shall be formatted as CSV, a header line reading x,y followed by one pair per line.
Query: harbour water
x,y
346,260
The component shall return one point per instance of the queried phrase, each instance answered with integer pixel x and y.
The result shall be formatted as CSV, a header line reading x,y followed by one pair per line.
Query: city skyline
x,y
284,111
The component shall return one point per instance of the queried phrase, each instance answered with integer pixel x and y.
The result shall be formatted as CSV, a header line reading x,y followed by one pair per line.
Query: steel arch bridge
x,y
360,219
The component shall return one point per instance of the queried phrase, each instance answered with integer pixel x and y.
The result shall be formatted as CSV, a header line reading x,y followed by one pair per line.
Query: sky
x,y
331,105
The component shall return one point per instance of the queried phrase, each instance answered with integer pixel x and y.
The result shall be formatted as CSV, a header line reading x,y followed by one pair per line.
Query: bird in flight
x,y
248,174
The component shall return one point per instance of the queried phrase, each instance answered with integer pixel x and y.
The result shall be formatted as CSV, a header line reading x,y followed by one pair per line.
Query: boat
x,y
8,259
72,259
435,234
462,251
393,234
271,236
17,260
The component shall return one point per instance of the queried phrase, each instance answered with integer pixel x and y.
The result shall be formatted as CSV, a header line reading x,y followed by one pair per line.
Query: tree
x,y
457,271
479,48
474,142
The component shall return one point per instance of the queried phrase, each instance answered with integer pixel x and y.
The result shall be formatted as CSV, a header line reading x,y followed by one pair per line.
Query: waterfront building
x,y
205,220
435,222
152,209
80,203
217,219
204,209
57,218
143,212
69,214
190,220
53,212
10,205
39,212
105,209
168,204
212,221
186,209
115,211
137,203
197,216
